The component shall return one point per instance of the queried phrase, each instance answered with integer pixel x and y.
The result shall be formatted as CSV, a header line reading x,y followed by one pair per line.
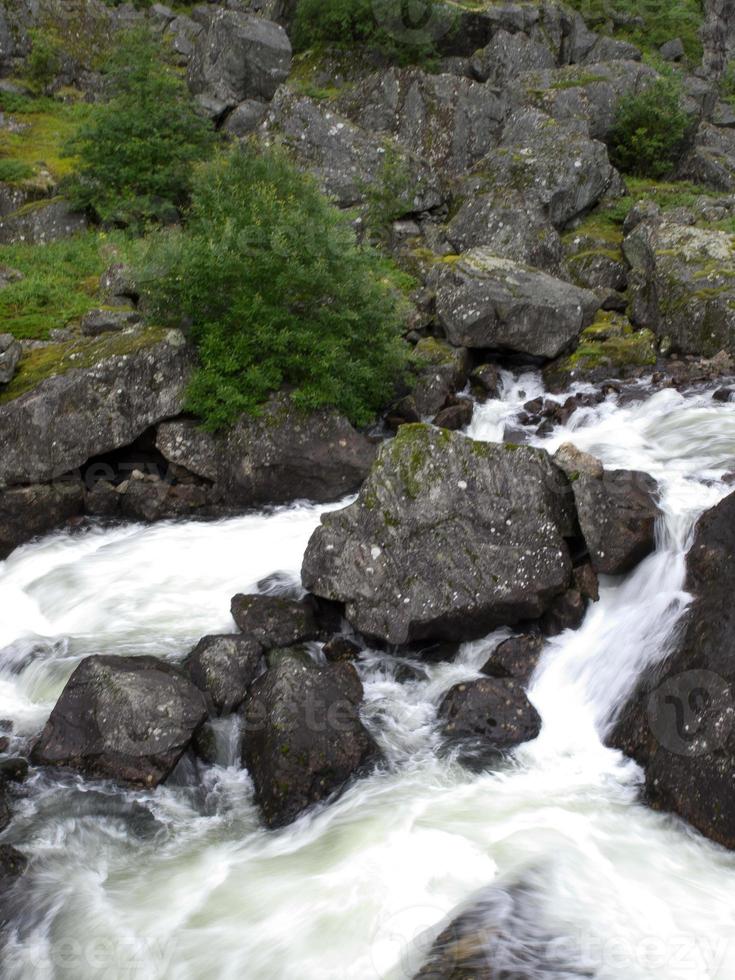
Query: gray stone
x,y
492,303
274,621
447,539
245,117
107,321
507,56
124,718
303,737
70,417
28,511
42,222
711,160
239,56
672,50
10,353
224,667
718,36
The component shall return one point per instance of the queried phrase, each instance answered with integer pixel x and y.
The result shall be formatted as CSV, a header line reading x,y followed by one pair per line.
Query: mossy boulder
x,y
609,348
448,538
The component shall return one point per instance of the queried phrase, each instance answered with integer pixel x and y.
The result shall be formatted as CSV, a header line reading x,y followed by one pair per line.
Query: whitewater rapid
x,y
184,883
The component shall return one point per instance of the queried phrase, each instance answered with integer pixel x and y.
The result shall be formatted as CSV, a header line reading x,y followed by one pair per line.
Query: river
x,y
183,883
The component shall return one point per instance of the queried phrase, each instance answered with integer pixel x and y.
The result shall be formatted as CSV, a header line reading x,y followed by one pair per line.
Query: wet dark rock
x,y
224,667
15,769
488,717
303,737
723,394
493,303
12,863
441,370
124,718
239,56
486,381
586,582
33,510
152,499
457,416
273,621
566,613
281,456
617,513
516,657
447,539
341,650
679,723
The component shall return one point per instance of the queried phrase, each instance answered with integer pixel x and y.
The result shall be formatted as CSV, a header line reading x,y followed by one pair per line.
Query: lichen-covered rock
x,y
303,737
41,222
239,56
448,121
507,56
608,349
124,718
711,160
682,285
488,717
274,621
224,667
10,351
679,722
71,417
493,303
448,538
346,159
281,456
441,371
28,511
595,260
108,321
718,36
617,513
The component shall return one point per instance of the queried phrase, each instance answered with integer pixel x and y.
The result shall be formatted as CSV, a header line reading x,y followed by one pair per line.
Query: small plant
x,y
389,196
650,130
12,171
136,151
275,292
727,83
44,61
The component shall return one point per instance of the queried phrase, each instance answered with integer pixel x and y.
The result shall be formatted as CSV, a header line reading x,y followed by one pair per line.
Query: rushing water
x,y
184,883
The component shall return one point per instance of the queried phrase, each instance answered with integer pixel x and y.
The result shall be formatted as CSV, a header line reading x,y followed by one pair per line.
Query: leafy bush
x,y
393,27
136,151
276,292
650,129
44,59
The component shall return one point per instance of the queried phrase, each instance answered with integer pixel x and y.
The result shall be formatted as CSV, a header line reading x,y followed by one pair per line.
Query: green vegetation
x,y
277,292
44,60
727,83
46,125
136,151
608,348
13,171
59,285
401,34
650,22
389,196
650,129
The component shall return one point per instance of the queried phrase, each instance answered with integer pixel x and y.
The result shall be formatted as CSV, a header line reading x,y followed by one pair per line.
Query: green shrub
x,y
391,27
44,60
136,150
727,83
650,130
12,171
275,291
388,197
650,22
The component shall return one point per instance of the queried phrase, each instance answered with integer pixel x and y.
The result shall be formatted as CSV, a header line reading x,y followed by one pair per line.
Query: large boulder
x,y
281,456
488,302
507,56
41,222
448,121
124,718
617,510
345,159
487,717
710,161
274,621
679,722
239,56
224,667
84,412
303,737
448,539
682,285
32,510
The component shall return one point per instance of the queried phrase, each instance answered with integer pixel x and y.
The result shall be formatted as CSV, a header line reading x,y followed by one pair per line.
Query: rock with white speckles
x,y
679,723
124,718
448,539
302,734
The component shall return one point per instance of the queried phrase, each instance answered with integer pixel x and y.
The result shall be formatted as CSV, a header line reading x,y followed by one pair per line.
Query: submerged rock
x,y
124,718
448,538
303,737
224,667
679,723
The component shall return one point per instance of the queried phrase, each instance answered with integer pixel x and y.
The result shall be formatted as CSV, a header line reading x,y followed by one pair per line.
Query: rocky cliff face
x,y
718,35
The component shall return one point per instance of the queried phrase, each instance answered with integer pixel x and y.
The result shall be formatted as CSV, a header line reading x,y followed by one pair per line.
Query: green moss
x,y
60,281
40,143
609,346
53,359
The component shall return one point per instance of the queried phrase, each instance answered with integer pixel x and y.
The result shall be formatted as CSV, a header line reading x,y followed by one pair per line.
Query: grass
x,y
662,21
60,282
47,125
46,362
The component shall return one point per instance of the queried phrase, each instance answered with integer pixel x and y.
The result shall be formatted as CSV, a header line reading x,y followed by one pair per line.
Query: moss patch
x,y
608,348
46,127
